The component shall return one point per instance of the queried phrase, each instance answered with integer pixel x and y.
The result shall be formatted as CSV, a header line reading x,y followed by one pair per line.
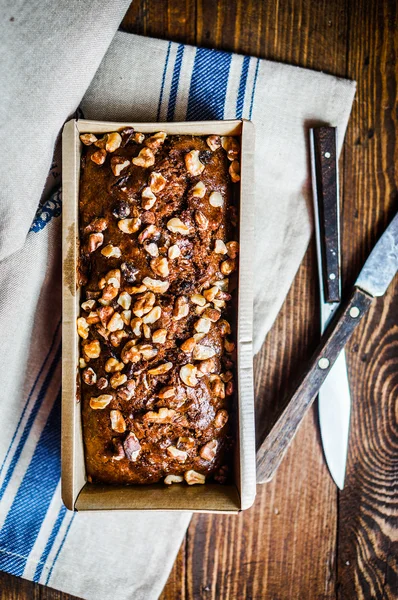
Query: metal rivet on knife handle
x,y
354,312
323,363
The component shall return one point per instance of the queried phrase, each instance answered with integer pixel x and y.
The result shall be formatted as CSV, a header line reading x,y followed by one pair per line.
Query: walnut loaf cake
x,y
158,261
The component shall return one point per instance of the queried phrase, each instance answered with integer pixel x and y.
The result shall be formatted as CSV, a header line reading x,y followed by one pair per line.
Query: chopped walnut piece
x,y
130,353
102,383
89,376
152,249
113,278
145,158
229,346
200,309
164,415
193,477
229,388
188,375
118,379
166,392
220,247
116,337
146,331
159,336
179,455
92,318
156,182
199,190
208,451
82,327
113,141
221,418
212,313
181,308
95,240
202,325
144,304
170,479
129,225
118,423
219,303
88,305
139,289
201,352
148,198
216,200
193,164
208,366
112,365
211,293
198,299
105,313
175,225
161,369
214,142
124,300
231,146
99,157
132,447
97,225
233,249
186,442
201,220
234,171
156,140
138,137
118,164
136,325
160,266
111,251
100,402
92,349
82,363
126,391
174,252
153,315
227,376
188,345
218,387
126,316
148,232
115,322
159,287
88,139
228,266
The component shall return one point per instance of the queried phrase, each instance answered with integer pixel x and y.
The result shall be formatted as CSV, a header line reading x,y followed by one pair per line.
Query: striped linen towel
x,y
128,555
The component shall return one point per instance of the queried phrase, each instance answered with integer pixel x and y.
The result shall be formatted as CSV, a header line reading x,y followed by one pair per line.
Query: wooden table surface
x,y
303,539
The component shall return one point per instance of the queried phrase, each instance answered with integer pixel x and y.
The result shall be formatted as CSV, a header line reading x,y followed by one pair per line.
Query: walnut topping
x,y
202,325
153,315
161,369
132,447
159,287
136,325
144,304
97,225
152,249
193,164
138,137
228,266
148,198
188,375
139,289
199,190
118,379
220,247
95,240
216,199
229,346
88,305
201,220
113,277
116,337
146,331
118,164
92,349
211,293
146,233
219,303
82,327
82,363
203,352
130,353
227,376
186,442
217,386
234,171
174,252
159,336
156,140
115,322
111,251
208,366
99,157
208,451
118,423
88,138
179,455
92,318
100,402
89,376
166,392
105,313
126,316
156,182
112,365
124,300
188,345
160,266
113,141
231,147
221,418
233,249
126,391
145,158
170,479
212,313
129,225
181,308
229,388
102,383
109,293
214,142
193,477
164,415
198,299
175,225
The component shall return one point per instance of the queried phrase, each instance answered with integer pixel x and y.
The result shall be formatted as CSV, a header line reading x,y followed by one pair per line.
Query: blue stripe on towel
x,y
254,88
208,85
242,87
29,397
50,543
174,82
60,548
30,421
28,510
166,62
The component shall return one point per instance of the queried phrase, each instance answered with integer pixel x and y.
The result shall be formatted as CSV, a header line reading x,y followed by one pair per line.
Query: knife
x,y
334,401
373,281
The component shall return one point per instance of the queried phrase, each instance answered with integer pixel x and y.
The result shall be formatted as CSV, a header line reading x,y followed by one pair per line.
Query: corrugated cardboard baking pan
x,y
77,492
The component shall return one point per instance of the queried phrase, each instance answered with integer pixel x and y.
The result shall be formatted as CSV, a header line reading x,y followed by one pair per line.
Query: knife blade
x,y
373,281
334,400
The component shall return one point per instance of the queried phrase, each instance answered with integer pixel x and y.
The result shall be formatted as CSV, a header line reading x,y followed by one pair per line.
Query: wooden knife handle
x,y
276,443
326,171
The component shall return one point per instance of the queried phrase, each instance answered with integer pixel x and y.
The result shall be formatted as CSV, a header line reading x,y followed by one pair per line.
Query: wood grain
x,y
302,540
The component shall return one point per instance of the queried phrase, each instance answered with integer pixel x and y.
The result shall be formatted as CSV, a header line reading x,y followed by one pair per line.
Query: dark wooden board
x,y
302,539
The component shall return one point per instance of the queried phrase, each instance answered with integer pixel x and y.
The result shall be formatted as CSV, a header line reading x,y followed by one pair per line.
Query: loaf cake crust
x,y
158,261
